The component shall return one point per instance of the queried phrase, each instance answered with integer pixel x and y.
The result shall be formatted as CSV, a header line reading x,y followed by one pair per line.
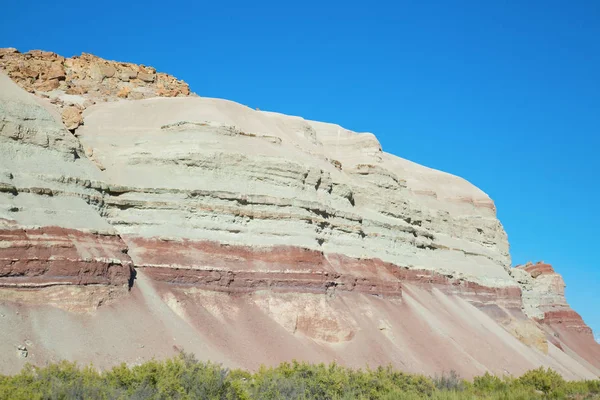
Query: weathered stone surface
x,y
46,86
92,78
255,178
146,77
71,117
56,71
8,50
544,300
51,231
74,257
22,351
257,238
544,294
259,205
127,75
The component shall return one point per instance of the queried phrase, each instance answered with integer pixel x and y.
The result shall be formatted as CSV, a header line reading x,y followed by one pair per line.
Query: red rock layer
x,y
53,256
478,294
215,266
222,267
538,269
569,319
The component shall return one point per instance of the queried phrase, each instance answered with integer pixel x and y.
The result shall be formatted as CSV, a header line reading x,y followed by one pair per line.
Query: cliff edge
x,y
146,220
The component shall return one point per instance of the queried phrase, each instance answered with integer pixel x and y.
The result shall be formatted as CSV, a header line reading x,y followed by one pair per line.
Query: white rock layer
x,y
209,169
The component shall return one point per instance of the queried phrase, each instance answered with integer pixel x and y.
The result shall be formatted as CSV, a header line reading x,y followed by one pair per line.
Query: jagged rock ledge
x,y
75,83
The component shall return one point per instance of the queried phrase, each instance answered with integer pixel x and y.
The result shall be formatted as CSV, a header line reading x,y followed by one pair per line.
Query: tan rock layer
x,y
88,78
73,298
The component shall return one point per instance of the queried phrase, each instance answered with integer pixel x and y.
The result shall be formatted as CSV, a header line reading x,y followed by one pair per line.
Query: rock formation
x,y
543,296
77,82
51,232
256,237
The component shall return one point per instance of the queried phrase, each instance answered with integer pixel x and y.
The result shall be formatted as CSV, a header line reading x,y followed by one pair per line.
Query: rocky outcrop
x,y
544,301
51,229
77,82
256,237
544,296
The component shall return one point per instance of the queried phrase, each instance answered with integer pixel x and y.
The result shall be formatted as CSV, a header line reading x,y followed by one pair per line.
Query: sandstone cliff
x,y
255,237
73,84
543,296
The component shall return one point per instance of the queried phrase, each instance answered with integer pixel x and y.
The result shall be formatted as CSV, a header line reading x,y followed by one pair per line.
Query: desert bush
x,y
545,380
490,383
582,389
308,381
450,381
183,377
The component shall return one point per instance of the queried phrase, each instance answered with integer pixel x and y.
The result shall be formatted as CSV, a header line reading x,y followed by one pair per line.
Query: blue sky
x,y
503,93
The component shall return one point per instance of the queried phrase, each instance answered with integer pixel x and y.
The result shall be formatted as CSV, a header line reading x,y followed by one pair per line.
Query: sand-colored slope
x,y
427,331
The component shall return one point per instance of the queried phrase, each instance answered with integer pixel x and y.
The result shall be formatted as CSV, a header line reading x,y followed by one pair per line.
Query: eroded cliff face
x,y
256,237
192,173
544,301
51,232
73,84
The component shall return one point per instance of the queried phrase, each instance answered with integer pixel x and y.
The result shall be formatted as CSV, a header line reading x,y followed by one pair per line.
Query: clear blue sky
x,y
503,93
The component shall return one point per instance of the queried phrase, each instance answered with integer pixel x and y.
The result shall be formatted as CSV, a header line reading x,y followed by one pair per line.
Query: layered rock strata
x,y
256,237
51,229
544,301
198,170
544,296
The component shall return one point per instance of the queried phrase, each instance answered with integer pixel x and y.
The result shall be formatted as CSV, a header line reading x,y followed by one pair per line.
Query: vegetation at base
x,y
183,377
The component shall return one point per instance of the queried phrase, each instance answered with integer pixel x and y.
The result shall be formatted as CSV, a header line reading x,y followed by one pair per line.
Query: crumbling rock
x,y
22,351
86,77
71,117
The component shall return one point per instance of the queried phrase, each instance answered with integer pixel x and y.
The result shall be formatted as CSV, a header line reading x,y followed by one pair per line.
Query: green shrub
x,y
183,377
544,380
490,383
